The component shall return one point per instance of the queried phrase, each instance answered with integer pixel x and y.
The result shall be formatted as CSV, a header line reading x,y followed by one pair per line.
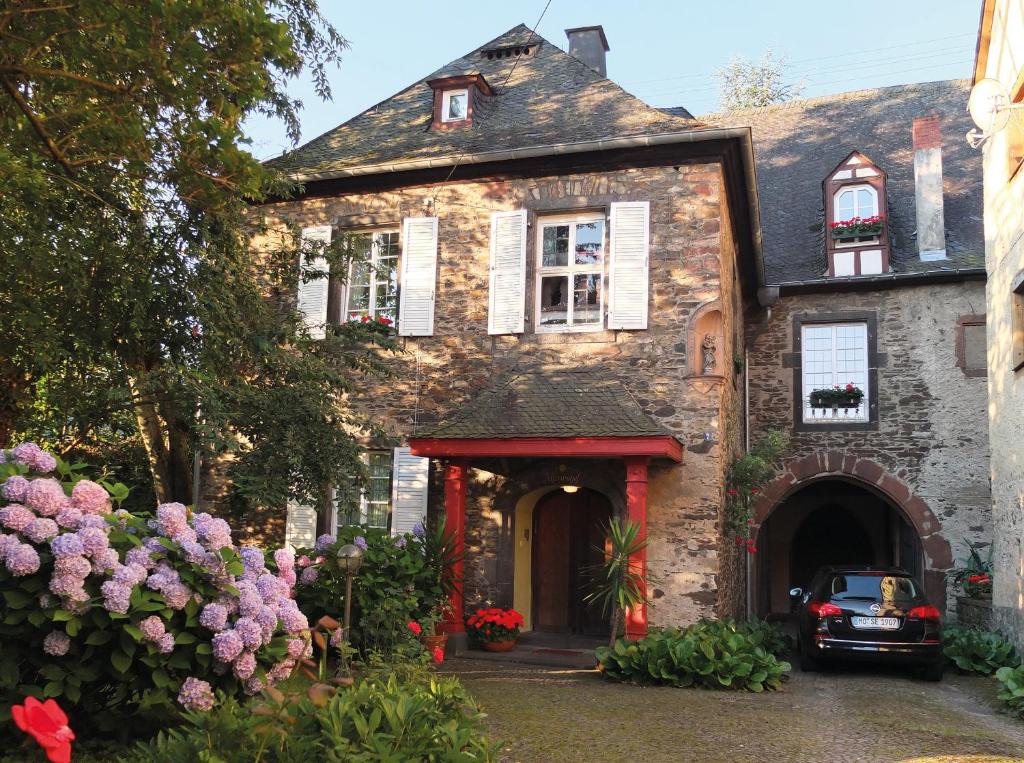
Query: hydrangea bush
x,y
102,608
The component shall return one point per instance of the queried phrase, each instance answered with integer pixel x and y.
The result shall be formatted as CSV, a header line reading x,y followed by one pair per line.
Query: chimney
x,y
931,223
588,44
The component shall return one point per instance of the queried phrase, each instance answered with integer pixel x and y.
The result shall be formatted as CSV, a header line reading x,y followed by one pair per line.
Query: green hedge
x,y
712,654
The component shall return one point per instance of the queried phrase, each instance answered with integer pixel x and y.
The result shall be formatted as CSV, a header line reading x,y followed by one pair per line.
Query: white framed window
x,y
372,286
834,354
373,505
570,273
455,105
855,201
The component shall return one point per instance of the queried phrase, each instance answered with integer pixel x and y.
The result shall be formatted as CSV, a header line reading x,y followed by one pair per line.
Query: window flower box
x,y
857,227
837,397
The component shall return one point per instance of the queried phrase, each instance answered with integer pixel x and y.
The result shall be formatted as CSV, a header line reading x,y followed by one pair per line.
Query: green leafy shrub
x,y
976,651
771,636
114,613
399,581
712,654
1012,693
378,719
747,476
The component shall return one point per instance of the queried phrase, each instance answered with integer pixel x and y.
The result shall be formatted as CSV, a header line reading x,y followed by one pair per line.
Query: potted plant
x,y
495,629
429,636
856,227
849,396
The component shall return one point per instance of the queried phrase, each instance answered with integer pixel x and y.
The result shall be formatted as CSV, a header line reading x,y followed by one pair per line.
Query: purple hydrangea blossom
x,y
280,671
76,566
419,531
227,645
250,632
252,558
16,517
284,559
296,647
15,488
269,587
67,544
214,617
165,643
360,541
194,553
93,521
69,518
41,530
68,587
141,556
154,545
56,643
249,599
130,574
245,665
105,560
90,498
22,560
196,694
46,496
94,540
267,618
7,542
254,685
31,455
116,596
309,576
176,595
215,534
325,541
292,619
171,519
152,628
400,541
185,535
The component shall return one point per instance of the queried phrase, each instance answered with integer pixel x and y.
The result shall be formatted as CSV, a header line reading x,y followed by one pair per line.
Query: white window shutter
x,y
507,309
300,526
312,301
419,275
628,278
408,491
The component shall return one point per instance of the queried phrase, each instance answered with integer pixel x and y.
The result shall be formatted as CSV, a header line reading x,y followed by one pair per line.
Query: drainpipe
x,y
746,444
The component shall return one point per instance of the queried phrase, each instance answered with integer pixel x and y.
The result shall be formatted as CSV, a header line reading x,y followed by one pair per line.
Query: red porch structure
x,y
636,452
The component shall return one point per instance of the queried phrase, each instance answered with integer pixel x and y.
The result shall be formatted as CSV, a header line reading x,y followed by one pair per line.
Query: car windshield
x,y
889,588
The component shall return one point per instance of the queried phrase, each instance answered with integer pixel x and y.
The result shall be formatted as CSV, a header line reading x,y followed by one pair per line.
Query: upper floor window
x,y
454,105
835,361
373,505
570,273
855,208
456,98
372,286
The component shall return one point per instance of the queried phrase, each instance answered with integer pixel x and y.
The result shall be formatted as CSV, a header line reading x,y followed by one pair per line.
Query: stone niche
x,y
705,342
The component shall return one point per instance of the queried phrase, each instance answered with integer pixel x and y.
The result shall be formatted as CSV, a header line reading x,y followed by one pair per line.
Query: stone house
x,y
586,288
1001,58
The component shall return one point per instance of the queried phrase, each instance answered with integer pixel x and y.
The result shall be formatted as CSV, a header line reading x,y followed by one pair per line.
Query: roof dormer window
x,y
856,236
456,99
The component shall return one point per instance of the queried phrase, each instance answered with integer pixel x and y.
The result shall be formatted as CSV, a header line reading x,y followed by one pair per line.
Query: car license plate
x,y
879,623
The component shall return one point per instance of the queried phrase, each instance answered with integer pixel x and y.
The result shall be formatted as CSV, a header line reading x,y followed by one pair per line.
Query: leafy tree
x,y
132,306
745,84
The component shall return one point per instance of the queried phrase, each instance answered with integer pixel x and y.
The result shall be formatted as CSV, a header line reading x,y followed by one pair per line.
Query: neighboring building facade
x,y
592,326
898,311
1001,57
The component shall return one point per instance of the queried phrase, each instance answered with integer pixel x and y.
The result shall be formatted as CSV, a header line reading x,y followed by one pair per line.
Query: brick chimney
x,y
931,222
589,45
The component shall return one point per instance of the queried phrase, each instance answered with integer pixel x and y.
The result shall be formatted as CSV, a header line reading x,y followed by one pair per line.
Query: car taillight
x,y
821,609
927,612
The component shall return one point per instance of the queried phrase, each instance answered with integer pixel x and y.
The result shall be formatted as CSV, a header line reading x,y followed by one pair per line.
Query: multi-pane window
x,y
373,504
835,355
856,201
373,276
570,273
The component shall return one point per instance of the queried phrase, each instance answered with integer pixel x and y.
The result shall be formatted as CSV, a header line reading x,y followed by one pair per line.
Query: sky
x,y
661,51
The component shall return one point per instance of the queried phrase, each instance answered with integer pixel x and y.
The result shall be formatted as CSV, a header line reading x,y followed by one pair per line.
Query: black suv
x,y
868,614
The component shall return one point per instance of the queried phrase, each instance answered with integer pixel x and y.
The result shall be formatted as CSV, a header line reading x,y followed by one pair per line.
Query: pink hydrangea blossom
x,y
116,596
15,488
105,560
250,632
41,530
281,671
304,561
176,595
171,518
215,533
296,647
196,694
141,556
69,518
90,498
56,643
16,517
244,666
94,540
284,559
22,560
76,566
152,628
31,455
68,587
254,685
214,617
309,576
165,643
46,496
227,645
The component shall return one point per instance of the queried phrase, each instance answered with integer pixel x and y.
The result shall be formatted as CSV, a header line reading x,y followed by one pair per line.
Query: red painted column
x,y
455,524
636,511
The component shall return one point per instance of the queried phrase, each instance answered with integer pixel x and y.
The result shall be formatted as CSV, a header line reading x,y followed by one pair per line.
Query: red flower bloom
x,y
732,491
414,627
385,321
438,655
48,725
365,319
754,491
849,387
751,549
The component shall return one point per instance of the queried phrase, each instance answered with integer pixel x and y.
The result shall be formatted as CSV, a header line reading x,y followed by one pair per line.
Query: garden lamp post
x,y
350,559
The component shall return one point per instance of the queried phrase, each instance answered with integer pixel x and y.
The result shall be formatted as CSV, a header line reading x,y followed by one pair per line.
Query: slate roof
x,y
573,403
550,98
797,144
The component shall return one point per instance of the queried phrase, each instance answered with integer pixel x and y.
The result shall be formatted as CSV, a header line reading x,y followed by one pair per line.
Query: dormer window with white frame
x,y
856,228
455,105
856,202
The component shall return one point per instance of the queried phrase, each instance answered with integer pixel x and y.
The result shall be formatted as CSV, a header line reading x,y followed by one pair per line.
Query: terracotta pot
x,y
499,646
432,642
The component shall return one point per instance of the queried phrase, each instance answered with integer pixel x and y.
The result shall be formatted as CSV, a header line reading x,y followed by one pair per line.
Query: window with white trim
x,y
834,355
373,505
372,286
855,201
570,273
455,105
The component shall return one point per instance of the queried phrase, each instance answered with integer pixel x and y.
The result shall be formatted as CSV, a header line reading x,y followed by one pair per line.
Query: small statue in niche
x,y
708,351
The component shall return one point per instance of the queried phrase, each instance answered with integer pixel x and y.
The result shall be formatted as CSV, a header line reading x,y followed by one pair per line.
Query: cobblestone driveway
x,y
549,714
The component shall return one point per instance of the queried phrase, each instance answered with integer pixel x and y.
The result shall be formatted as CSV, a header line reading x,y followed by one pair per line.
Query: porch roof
x,y
564,413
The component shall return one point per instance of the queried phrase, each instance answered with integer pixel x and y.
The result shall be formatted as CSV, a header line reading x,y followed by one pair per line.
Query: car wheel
x,y
809,663
933,672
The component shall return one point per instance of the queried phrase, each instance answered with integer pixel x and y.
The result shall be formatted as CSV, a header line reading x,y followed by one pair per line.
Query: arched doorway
x,y
830,522
568,542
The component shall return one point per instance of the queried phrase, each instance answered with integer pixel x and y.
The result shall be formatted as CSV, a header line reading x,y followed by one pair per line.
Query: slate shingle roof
x,y
549,404
797,144
550,98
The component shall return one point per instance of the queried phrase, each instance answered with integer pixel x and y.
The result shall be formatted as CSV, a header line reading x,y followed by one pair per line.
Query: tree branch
x,y
37,125
32,71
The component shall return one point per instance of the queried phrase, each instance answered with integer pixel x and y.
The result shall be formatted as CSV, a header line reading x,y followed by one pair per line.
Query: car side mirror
x,y
796,593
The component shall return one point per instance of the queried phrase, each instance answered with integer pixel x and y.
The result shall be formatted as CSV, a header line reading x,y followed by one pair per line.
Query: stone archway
x,y
831,465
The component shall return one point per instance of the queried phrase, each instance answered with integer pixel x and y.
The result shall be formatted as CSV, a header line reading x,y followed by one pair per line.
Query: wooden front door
x,y
568,535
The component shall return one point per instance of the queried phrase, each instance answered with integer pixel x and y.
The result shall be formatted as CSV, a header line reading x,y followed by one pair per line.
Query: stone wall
x,y
691,269
931,438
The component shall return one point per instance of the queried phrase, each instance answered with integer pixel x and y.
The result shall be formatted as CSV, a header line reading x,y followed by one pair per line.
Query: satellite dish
x,y
988,106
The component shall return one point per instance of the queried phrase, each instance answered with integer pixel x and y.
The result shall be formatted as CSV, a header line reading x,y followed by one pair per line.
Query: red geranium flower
x,y
414,627
48,725
438,655
385,321
732,491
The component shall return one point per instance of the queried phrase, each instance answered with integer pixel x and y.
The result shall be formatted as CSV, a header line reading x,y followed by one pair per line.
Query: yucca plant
x,y
616,587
